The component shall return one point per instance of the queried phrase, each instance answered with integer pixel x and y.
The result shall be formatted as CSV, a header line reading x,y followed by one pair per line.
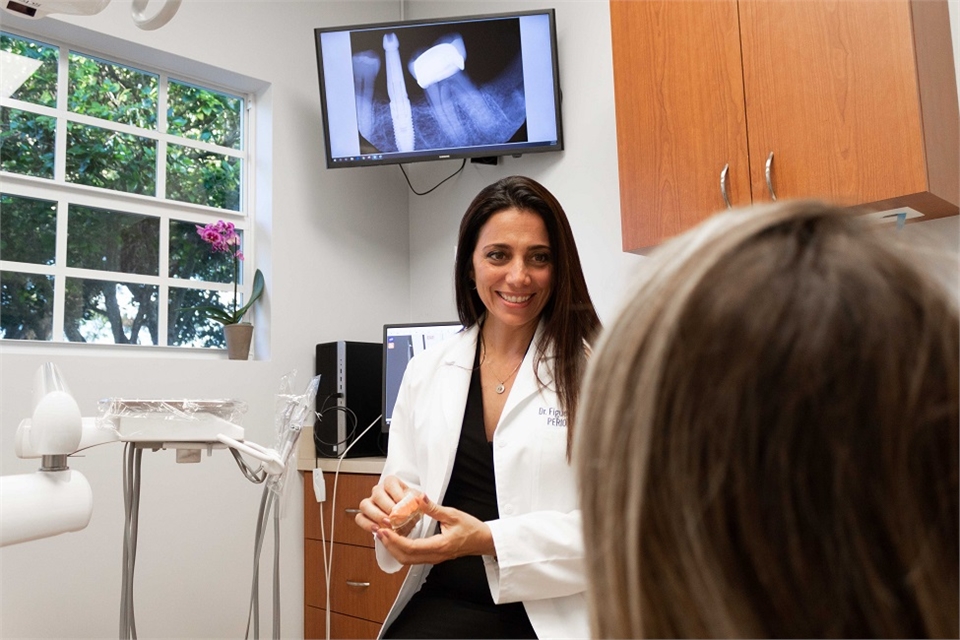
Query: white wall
x,y
940,239
339,266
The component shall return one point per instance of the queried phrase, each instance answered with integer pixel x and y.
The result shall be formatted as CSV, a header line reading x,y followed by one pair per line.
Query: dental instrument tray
x,y
173,420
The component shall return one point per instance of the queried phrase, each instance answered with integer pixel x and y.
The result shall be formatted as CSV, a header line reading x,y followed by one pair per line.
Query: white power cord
x,y
328,553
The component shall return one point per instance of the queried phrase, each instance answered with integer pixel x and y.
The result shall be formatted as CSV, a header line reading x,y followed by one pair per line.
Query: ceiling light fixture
x,y
40,8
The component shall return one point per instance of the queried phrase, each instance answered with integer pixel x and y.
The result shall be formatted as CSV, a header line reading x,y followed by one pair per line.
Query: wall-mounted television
x,y
400,343
468,87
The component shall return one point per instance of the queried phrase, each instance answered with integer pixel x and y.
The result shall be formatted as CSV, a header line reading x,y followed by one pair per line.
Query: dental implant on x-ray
x,y
400,111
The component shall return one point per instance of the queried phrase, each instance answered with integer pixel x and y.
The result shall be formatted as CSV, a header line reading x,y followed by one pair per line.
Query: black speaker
x,y
348,399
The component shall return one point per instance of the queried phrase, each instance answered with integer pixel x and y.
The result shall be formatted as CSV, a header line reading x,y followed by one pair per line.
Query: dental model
x,y
400,110
408,510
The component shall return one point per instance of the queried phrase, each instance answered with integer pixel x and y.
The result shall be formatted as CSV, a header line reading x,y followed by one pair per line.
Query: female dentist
x,y
482,428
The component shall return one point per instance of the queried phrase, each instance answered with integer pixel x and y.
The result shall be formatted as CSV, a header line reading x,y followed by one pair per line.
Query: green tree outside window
x,y
115,144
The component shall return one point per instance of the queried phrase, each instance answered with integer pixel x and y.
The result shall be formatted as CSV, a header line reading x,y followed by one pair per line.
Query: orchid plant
x,y
223,238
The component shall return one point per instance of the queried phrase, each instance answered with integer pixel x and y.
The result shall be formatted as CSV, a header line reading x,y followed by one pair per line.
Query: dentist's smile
x,y
514,299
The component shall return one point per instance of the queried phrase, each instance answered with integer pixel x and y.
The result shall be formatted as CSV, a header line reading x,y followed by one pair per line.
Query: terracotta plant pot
x,y
238,340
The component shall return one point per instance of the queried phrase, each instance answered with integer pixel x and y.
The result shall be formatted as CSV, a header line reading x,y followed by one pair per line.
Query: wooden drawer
x,y
358,587
341,626
351,489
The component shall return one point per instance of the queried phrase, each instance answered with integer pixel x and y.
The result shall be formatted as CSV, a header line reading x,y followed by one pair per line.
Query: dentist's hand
x,y
460,535
375,510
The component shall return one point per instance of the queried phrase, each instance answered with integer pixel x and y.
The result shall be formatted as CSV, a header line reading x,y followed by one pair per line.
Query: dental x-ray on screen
x,y
452,88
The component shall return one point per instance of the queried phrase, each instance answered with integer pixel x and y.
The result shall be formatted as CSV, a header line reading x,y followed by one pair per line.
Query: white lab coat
x,y
538,537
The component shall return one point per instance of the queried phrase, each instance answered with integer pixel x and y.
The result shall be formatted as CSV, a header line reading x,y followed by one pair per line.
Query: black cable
x,y
346,438
319,443
346,410
382,440
404,171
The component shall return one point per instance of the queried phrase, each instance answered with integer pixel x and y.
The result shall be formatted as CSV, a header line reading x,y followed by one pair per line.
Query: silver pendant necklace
x,y
502,386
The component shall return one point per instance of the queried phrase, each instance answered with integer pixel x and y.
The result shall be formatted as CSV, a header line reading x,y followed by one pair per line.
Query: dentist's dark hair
x,y
570,320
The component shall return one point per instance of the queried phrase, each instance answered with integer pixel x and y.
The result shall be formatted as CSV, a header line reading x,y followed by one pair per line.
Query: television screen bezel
x,y
384,428
454,153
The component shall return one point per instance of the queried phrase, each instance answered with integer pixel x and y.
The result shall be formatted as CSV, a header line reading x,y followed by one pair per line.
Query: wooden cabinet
x,y
360,593
856,102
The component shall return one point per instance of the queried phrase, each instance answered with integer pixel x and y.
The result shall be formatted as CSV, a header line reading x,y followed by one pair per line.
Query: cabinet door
x,y
360,594
832,90
680,114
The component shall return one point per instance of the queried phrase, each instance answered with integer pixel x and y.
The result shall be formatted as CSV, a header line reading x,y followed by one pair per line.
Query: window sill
x,y
40,347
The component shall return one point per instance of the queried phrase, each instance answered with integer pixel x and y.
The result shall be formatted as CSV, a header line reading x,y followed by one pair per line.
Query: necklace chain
x,y
500,388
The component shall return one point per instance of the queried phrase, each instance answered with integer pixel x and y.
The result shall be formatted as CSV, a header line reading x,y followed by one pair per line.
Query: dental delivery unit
x,y
57,499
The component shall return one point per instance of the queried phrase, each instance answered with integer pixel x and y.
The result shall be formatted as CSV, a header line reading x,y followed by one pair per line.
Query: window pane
x,y
29,70
112,92
26,306
113,241
201,114
28,230
188,327
203,177
27,142
111,160
192,259
105,312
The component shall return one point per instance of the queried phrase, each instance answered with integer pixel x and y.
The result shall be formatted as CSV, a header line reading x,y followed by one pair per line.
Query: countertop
x,y
307,460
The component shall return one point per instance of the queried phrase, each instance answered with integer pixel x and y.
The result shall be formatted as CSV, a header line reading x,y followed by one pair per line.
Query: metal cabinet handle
x,y
723,185
352,511
769,179
352,583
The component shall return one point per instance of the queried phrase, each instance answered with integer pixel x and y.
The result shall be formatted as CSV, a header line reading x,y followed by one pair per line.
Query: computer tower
x,y
348,399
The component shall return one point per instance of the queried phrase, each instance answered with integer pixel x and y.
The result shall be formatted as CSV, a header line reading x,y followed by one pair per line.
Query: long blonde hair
x,y
768,438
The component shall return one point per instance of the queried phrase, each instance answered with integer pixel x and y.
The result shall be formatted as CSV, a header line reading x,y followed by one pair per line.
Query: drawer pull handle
x,y
352,583
352,511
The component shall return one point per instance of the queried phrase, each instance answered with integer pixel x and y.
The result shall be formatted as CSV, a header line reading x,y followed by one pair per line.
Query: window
x,y
107,170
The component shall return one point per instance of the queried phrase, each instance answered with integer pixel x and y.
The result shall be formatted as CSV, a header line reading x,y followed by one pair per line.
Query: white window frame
x,y
65,193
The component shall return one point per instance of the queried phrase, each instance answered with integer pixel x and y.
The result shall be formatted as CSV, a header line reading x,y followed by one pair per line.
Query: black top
x,y
455,600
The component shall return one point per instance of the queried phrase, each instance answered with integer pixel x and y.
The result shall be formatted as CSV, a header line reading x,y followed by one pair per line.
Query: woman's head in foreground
x,y
768,438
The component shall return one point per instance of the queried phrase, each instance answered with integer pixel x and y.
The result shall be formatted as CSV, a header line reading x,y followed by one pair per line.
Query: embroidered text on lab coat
x,y
553,417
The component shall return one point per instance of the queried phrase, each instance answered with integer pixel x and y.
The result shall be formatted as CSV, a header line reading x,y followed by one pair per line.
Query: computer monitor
x,y
400,343
462,87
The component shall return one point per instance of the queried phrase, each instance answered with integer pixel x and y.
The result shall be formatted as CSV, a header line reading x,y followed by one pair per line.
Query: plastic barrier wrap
x,y
172,420
292,411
